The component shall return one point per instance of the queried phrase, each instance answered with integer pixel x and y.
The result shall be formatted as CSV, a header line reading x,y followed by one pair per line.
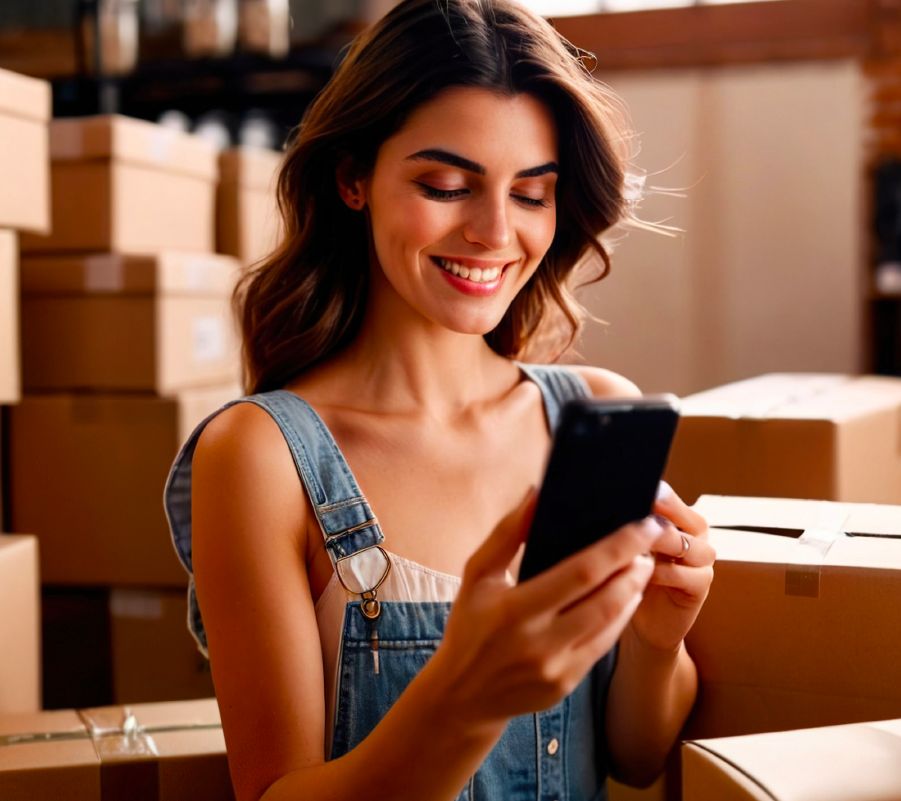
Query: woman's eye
x,y
535,202
440,194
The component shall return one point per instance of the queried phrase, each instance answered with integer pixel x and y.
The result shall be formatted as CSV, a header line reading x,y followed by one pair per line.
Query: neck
x,y
403,363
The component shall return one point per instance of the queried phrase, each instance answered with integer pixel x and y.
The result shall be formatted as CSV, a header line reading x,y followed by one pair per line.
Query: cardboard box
x,y
248,225
149,752
801,624
24,157
860,762
154,658
87,476
789,435
20,666
128,186
10,370
157,323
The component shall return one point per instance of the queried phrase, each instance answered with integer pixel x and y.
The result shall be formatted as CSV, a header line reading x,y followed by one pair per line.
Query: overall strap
x,y
558,384
347,523
345,517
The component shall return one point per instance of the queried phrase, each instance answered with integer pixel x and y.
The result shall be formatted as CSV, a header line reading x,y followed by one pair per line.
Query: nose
x,y
488,224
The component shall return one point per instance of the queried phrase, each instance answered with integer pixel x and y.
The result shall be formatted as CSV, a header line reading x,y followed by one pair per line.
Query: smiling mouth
x,y
475,274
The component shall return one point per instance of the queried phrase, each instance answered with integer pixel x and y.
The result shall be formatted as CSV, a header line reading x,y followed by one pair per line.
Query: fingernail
x,y
664,491
650,527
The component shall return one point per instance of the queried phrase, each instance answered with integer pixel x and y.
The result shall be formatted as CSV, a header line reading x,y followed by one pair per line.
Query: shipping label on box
x,y
800,626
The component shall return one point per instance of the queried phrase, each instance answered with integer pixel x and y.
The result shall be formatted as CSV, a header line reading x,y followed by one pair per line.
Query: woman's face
x,y
461,203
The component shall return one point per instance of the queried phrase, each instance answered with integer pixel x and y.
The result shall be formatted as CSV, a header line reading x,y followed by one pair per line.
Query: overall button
x,y
553,746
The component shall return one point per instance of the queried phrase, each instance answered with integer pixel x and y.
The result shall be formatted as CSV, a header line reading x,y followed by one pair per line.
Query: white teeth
x,y
476,274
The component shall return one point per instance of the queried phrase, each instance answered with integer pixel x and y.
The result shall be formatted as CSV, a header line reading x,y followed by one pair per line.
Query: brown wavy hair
x,y
305,301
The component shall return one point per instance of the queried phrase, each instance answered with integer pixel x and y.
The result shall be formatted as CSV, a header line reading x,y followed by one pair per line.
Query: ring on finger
x,y
686,546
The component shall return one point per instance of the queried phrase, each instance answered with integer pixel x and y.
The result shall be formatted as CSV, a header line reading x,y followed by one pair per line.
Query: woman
x,y
437,198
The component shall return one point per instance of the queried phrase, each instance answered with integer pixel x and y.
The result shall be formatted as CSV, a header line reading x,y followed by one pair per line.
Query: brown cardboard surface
x,y
176,752
247,219
20,667
114,136
42,771
87,477
792,435
10,369
860,762
24,158
798,630
128,186
154,657
171,315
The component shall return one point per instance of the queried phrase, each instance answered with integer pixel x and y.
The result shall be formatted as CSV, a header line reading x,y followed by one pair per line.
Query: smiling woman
x,y
438,198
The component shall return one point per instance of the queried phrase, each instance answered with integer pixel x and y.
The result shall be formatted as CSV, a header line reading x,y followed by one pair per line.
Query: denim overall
x,y
558,754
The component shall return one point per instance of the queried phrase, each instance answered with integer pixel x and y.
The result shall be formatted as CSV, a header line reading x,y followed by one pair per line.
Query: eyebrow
x,y
446,157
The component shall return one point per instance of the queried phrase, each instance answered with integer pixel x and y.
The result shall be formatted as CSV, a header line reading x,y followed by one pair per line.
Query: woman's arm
x,y
507,649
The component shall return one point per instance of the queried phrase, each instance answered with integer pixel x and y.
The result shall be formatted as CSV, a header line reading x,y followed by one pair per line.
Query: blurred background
x,y
769,143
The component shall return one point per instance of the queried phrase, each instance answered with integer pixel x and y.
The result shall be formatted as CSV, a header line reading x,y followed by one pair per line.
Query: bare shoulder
x,y
605,383
243,447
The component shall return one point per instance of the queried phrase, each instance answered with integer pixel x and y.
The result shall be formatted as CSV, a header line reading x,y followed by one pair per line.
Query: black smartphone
x,y
604,468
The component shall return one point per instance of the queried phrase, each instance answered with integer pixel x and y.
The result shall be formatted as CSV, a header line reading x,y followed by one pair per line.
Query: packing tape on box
x,y
66,140
105,273
827,525
98,726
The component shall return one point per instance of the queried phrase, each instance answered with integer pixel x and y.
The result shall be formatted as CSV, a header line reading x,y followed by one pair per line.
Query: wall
x,y
767,274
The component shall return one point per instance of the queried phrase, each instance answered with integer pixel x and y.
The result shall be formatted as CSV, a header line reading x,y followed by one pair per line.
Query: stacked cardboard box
x,y
832,437
145,752
24,206
858,762
248,226
800,627
128,341
20,689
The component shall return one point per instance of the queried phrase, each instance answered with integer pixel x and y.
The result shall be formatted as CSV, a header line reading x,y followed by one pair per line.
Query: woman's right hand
x,y
513,649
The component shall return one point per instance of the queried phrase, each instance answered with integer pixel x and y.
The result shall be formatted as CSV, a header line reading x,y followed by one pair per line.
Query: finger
x,y
688,549
583,572
601,611
693,582
496,553
670,505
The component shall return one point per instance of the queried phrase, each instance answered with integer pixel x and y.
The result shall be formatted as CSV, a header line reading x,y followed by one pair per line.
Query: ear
x,y
351,185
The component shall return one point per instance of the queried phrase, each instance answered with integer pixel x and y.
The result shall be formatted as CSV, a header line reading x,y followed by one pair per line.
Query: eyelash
x,y
449,194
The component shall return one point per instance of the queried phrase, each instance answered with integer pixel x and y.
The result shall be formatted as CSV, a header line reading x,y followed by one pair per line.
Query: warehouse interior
x,y
140,144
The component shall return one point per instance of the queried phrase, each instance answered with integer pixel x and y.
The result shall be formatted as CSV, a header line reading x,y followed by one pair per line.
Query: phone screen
x,y
605,465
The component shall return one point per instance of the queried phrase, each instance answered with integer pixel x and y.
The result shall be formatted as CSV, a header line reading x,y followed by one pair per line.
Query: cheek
x,y
540,234
409,225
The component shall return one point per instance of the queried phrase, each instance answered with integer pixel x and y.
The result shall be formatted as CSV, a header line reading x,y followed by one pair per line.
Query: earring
x,y
355,201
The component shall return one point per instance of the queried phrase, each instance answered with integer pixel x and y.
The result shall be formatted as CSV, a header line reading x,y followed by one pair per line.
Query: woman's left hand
x,y
681,578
